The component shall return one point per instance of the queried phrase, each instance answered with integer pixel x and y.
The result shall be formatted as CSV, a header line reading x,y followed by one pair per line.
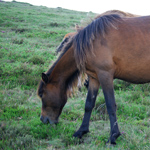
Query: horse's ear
x,y
45,78
77,27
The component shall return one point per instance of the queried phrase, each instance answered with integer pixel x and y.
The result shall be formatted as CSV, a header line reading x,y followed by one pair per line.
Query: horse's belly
x,y
134,75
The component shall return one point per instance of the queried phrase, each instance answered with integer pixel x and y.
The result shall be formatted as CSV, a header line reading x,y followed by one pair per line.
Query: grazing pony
x,y
109,47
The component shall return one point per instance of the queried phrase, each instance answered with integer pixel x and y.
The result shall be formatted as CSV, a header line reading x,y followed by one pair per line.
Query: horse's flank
x,y
122,34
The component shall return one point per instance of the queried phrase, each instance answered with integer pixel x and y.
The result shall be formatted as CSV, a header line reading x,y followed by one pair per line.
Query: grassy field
x,y
29,36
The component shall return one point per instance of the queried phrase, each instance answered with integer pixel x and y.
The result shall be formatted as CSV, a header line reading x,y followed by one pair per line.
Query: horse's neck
x,y
65,67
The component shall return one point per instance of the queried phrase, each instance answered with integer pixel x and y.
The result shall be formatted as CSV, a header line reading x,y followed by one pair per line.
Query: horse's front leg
x,y
106,80
89,105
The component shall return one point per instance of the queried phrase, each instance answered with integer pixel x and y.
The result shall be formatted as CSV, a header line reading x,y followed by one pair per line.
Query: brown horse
x,y
109,47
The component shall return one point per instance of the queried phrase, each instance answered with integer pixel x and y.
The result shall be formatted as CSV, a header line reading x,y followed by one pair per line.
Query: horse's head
x,y
53,100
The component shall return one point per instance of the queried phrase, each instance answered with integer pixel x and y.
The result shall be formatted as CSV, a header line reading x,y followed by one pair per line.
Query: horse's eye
x,y
40,95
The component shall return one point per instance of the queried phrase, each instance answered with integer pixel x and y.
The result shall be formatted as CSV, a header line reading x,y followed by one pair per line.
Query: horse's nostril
x,y
47,120
44,119
41,118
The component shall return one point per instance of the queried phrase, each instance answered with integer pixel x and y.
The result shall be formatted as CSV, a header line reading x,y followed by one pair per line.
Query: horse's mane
x,y
83,40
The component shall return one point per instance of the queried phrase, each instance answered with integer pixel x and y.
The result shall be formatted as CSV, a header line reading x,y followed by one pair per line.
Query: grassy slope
x,y
29,36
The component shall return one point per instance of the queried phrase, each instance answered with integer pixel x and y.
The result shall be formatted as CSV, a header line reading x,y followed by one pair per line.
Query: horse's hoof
x,y
113,142
114,138
79,134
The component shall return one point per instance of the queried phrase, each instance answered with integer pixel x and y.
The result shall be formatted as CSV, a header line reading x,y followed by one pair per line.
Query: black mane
x,y
83,41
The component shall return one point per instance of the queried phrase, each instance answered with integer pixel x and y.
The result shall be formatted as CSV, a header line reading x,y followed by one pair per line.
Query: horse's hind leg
x,y
90,103
106,80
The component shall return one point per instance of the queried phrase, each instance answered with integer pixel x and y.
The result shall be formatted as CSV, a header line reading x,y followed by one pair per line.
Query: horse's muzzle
x,y
44,119
47,120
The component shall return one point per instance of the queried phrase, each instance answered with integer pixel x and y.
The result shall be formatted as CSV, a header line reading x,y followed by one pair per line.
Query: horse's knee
x,y
88,106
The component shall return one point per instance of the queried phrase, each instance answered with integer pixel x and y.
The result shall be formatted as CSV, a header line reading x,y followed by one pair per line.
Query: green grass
x,y
29,36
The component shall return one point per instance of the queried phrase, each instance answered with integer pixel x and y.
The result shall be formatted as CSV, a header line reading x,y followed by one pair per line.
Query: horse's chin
x,y
53,122
46,120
